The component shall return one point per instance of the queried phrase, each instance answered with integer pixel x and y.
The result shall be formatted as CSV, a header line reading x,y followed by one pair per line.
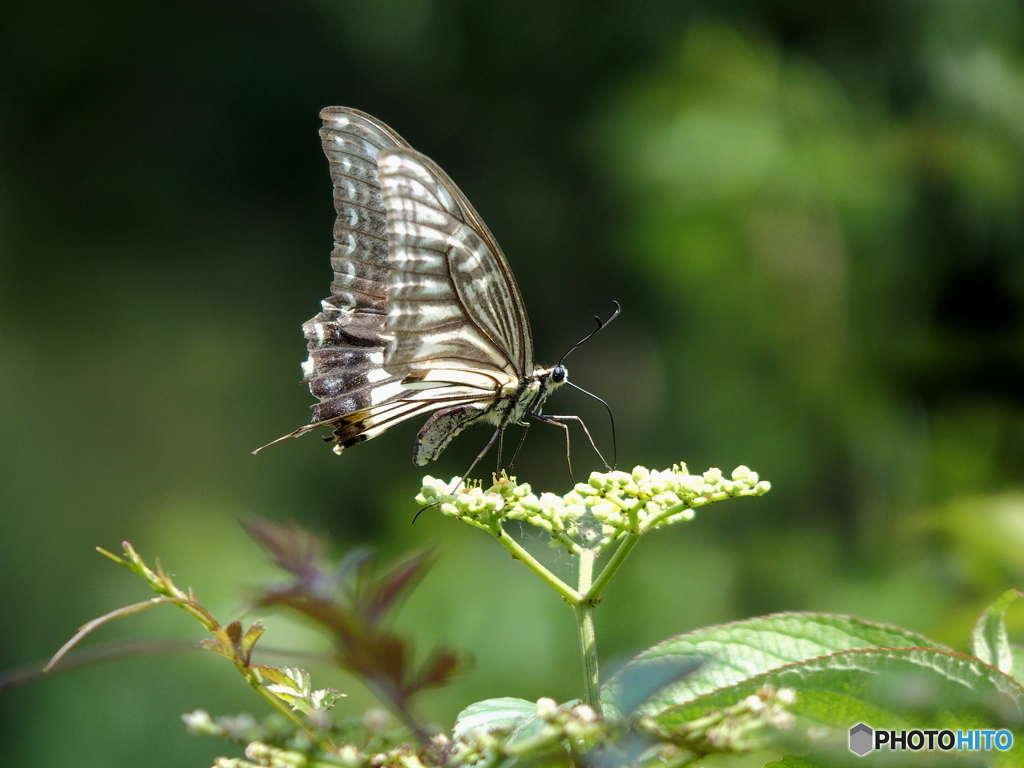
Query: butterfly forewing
x,y
453,302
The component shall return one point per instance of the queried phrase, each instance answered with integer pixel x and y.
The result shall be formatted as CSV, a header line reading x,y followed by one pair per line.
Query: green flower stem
x,y
570,595
584,609
582,600
655,520
566,541
593,594
612,509
161,583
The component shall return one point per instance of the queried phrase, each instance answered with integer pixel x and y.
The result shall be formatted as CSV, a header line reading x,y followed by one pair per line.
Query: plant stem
x,y
571,595
584,609
593,594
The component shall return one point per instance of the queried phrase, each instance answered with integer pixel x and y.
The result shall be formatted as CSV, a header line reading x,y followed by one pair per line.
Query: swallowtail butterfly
x,y
424,315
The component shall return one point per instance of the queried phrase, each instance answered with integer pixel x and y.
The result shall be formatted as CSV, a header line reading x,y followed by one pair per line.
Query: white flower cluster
x,y
473,504
597,513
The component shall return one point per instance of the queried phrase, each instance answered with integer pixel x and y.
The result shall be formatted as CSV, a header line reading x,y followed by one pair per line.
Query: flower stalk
x,y
609,512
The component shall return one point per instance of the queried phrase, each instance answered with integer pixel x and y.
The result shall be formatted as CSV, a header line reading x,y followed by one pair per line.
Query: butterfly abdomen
x,y
440,428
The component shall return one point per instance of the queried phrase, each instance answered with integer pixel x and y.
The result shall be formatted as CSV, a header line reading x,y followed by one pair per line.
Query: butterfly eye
x,y
559,374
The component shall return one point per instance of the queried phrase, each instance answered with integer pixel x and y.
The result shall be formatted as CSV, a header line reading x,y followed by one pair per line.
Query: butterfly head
x,y
547,380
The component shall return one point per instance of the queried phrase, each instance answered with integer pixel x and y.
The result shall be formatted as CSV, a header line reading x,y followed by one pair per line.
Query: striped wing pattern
x,y
347,339
424,314
453,303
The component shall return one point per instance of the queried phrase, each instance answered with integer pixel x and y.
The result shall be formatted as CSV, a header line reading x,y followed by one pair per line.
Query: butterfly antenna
x,y
611,418
600,325
421,511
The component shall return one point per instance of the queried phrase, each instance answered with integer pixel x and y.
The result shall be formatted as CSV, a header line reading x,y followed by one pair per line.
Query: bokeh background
x,y
812,214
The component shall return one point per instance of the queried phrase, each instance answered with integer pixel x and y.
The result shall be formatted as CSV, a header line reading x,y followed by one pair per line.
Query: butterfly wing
x,y
461,337
347,339
453,304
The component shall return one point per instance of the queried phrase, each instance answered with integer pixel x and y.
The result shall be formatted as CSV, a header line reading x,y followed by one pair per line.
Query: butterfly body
x,y
512,404
424,316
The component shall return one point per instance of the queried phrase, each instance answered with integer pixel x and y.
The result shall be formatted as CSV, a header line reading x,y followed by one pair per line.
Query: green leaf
x,y
527,739
638,683
1018,662
734,652
989,640
293,685
252,635
884,688
493,714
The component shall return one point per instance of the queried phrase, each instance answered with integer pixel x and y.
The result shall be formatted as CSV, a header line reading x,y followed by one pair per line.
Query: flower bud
x,y
546,708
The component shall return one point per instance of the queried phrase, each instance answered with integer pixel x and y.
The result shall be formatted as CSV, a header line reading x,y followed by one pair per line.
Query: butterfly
x,y
424,316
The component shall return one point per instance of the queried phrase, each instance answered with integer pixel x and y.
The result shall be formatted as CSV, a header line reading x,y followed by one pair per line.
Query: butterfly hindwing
x,y
347,340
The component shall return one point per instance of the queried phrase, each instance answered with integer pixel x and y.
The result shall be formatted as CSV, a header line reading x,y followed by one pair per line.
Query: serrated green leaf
x,y
293,685
743,649
885,688
325,698
639,683
294,680
989,640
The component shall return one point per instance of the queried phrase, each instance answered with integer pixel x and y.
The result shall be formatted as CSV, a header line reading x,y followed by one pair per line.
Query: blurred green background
x,y
812,214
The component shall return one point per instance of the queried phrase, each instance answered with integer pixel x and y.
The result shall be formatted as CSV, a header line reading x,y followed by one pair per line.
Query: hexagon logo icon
x,y
861,739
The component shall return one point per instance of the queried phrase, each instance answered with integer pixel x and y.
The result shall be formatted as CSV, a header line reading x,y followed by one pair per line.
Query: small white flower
x,y
786,696
585,712
753,703
713,476
741,472
546,708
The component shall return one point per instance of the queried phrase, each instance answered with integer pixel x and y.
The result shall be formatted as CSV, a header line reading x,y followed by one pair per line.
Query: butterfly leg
x,y
494,437
559,419
462,480
501,448
526,426
554,421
